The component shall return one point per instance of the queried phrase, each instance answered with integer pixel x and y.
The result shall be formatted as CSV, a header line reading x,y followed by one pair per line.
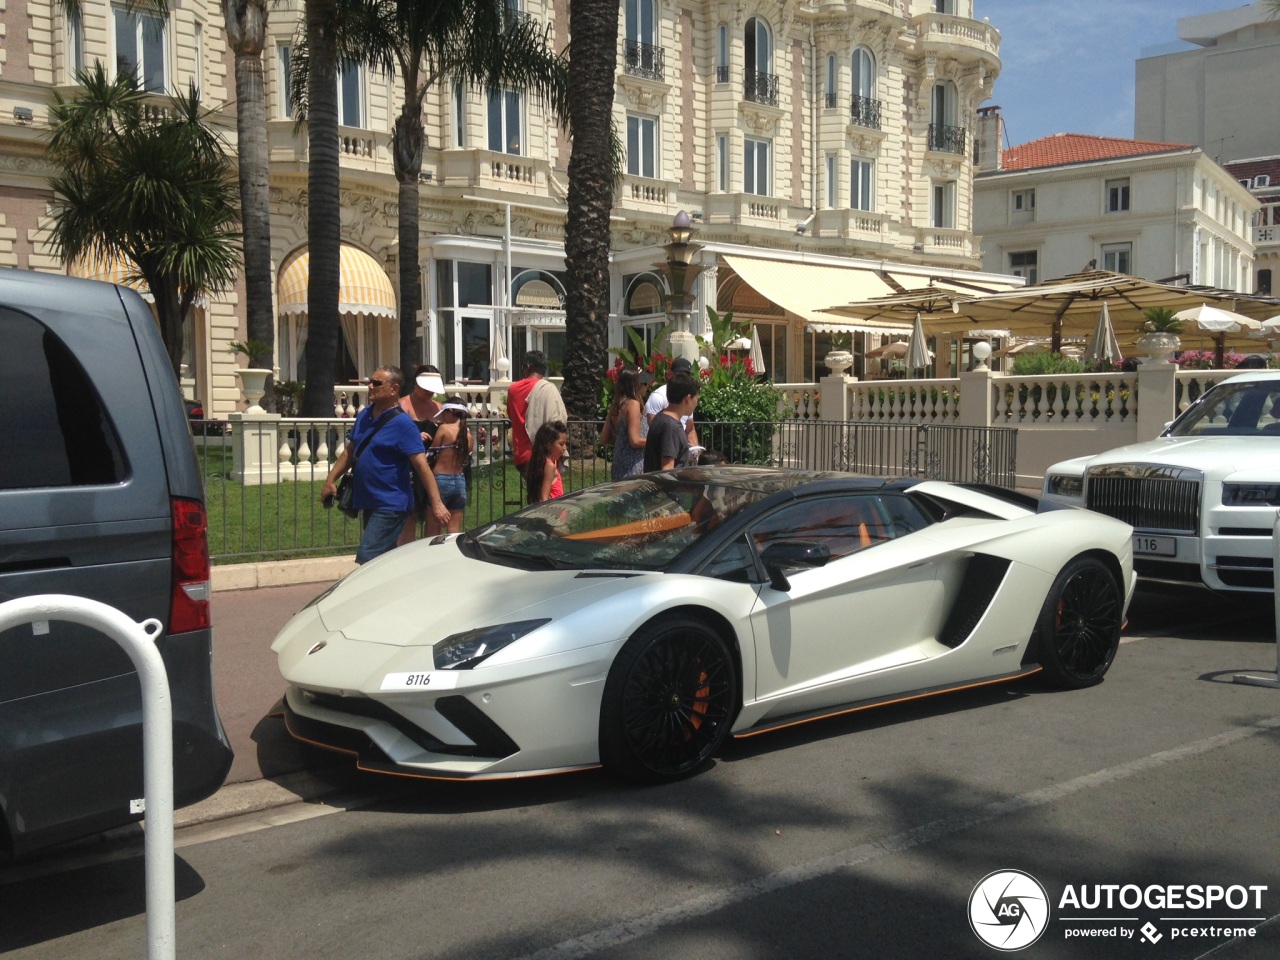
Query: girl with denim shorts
x,y
451,448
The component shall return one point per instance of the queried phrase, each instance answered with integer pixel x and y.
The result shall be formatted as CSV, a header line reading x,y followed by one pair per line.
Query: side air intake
x,y
982,577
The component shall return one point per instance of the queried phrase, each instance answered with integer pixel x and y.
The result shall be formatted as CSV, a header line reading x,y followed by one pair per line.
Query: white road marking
x,y
628,930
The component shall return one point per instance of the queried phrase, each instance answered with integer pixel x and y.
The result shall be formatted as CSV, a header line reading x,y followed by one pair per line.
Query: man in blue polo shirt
x,y
385,445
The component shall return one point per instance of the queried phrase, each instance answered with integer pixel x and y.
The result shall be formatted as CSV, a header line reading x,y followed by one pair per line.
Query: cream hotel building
x,y
823,149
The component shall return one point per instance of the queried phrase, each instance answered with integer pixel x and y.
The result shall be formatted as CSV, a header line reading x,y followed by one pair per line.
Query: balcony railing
x,y
722,74
865,113
760,87
946,138
830,98
643,60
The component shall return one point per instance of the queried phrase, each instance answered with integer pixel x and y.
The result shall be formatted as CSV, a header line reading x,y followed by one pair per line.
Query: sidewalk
x,y
251,603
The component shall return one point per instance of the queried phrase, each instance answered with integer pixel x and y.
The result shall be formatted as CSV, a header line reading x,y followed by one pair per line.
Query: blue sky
x,y
1068,65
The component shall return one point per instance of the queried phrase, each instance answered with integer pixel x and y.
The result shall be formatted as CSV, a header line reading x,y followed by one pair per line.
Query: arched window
x,y
865,108
864,73
759,46
759,83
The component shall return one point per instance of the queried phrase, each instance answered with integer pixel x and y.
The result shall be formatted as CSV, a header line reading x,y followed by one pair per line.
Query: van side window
x,y
57,434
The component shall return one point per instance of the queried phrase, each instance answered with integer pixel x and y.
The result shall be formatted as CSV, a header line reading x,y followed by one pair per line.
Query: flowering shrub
x,y
1203,360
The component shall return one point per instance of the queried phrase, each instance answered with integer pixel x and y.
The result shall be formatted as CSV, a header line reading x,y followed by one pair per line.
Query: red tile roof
x,y
1064,148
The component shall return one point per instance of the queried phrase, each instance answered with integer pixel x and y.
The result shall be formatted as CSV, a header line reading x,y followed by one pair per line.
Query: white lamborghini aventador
x,y
637,624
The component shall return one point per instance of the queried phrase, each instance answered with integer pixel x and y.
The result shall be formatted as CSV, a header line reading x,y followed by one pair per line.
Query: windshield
x,y
642,523
1233,409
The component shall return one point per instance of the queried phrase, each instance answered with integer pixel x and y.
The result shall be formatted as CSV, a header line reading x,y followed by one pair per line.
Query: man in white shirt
x,y
657,402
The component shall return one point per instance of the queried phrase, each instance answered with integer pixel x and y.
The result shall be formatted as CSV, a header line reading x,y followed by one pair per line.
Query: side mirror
x,y
792,555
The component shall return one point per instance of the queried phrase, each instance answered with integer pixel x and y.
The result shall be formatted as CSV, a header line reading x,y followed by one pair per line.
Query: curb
x,y
280,573
253,796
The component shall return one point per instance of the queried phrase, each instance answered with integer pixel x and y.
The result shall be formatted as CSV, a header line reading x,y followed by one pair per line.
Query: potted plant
x,y
840,357
1161,341
253,379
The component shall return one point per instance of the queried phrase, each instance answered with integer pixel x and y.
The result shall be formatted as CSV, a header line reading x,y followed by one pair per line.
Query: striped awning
x,y
363,286
114,271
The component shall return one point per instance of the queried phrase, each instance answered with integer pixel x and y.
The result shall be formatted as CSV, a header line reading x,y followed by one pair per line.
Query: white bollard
x,y
138,641
1275,586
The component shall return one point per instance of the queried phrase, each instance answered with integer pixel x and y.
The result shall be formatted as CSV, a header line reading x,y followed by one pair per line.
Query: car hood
x,y
425,591
1211,455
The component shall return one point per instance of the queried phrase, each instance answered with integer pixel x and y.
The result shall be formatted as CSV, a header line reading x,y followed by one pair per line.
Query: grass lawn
x,y
285,520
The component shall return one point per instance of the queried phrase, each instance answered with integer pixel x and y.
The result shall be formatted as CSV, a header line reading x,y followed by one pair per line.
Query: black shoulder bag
x,y
346,485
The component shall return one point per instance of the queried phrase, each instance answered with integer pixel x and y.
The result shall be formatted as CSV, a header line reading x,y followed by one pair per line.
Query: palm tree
x,y
246,23
323,208
156,188
472,41
594,163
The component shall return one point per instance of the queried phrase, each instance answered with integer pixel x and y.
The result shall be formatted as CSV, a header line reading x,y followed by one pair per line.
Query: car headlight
x,y
462,651
1251,494
1063,485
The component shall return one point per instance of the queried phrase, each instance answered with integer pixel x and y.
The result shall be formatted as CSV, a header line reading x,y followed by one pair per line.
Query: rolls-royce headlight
x,y
1251,494
462,651
1062,485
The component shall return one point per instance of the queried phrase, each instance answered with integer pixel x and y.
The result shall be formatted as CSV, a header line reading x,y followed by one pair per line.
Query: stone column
x,y
1157,398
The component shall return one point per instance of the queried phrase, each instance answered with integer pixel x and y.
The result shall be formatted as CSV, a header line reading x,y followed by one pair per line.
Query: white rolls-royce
x,y
1202,496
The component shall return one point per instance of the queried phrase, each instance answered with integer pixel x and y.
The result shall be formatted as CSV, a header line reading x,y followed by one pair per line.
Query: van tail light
x,y
189,598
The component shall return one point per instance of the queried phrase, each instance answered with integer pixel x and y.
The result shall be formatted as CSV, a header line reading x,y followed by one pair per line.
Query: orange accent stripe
x,y
654,525
885,703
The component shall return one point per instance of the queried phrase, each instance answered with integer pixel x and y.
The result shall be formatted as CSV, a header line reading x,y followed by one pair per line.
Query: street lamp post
x,y
681,274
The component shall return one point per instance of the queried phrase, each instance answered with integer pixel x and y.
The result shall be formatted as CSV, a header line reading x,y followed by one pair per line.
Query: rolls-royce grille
x,y
1147,503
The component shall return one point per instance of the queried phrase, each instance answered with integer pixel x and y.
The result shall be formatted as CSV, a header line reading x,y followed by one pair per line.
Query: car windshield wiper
x,y
533,559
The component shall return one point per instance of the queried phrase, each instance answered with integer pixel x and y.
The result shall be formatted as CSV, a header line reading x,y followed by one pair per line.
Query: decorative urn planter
x,y
254,384
1159,346
838,361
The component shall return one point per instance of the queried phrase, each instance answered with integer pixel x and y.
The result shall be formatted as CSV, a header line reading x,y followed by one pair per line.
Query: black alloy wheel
x,y
668,701
1079,627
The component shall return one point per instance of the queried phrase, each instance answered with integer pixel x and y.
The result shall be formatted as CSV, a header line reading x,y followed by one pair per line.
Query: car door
x,y
864,612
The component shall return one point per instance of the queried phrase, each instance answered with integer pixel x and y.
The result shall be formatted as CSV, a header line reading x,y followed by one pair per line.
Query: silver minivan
x,y
100,497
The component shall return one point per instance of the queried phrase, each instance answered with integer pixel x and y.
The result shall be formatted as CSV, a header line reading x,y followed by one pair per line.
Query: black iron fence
x,y
263,478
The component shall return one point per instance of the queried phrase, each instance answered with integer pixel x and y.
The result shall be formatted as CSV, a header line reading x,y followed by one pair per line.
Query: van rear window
x,y
56,431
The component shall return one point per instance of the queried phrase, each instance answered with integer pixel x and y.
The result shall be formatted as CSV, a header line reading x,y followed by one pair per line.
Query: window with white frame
x,y
944,6
642,146
722,53
833,90
756,164
197,41
459,114
1117,257
722,162
141,48
350,95
505,122
758,46
75,44
864,73
1025,263
284,66
862,185
1117,195
943,207
831,180
1024,205
641,21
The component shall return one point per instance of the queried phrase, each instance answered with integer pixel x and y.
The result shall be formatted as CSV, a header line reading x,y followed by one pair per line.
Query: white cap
x,y
431,382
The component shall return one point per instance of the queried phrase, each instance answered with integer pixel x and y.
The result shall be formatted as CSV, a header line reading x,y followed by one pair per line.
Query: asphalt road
x,y
861,836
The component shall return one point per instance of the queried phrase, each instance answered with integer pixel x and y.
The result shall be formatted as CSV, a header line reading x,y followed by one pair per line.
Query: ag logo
x,y
1008,910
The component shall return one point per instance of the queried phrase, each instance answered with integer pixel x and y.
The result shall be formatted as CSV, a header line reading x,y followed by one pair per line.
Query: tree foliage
x,y
149,181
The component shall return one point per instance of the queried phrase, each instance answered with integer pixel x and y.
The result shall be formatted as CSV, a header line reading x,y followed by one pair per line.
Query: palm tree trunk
x,y
323,210
593,28
408,164
246,22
